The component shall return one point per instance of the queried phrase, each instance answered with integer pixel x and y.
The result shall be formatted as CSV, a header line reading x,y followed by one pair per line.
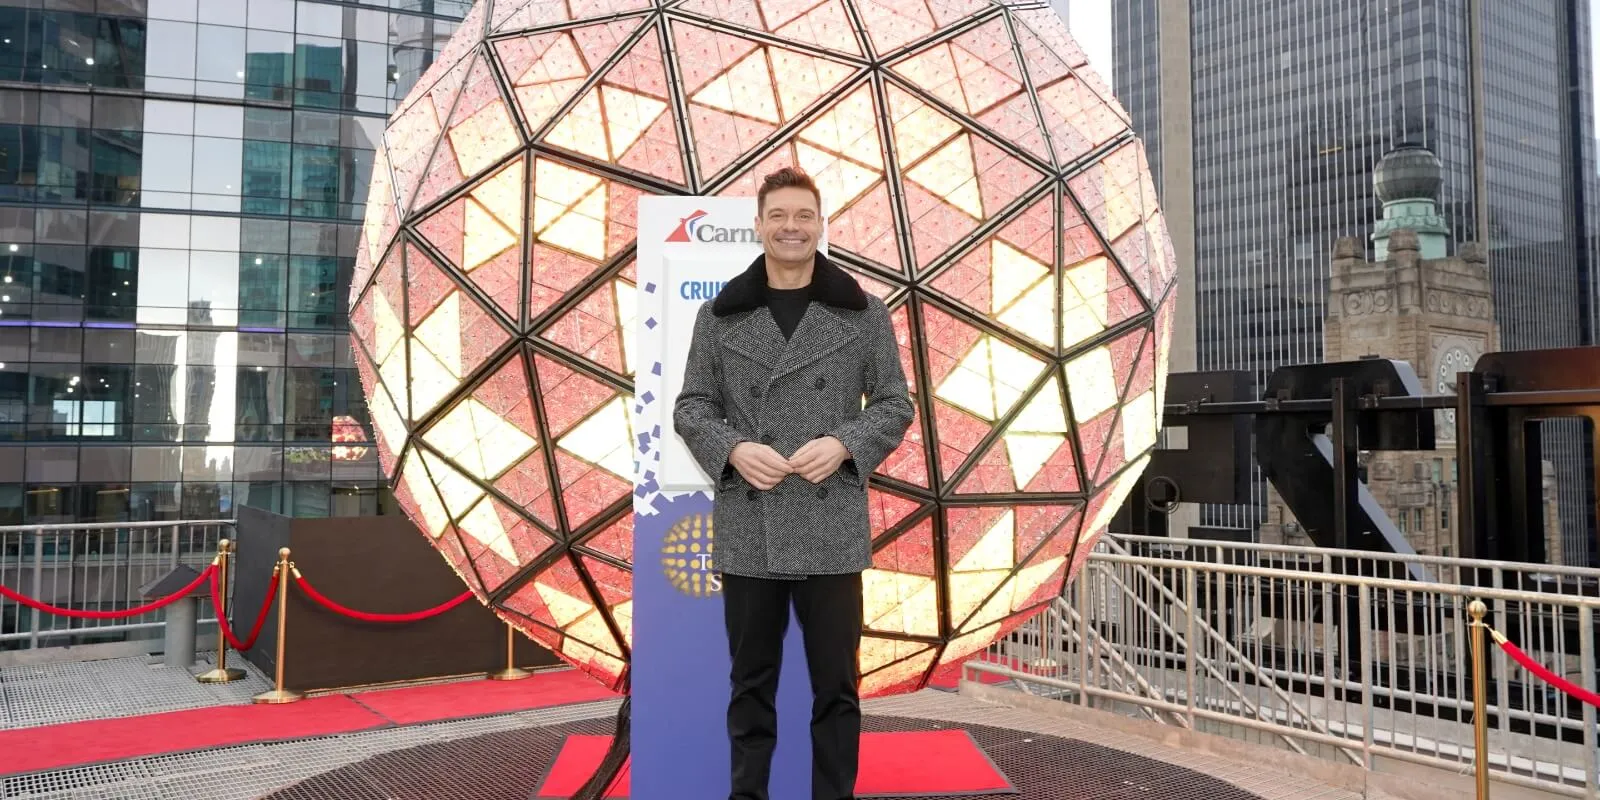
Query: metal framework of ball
x,y
975,174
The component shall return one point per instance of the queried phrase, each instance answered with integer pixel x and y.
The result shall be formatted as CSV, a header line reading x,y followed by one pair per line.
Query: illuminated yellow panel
x,y
745,89
990,379
458,493
1114,497
994,550
605,439
577,129
1086,284
380,206
910,669
393,373
965,645
1034,313
1138,425
592,628
899,602
501,195
483,138
483,523
1123,210
434,518
556,188
628,116
878,653
583,228
484,237
478,439
627,317
440,334
949,174
430,382
387,327
839,180
849,129
623,614
1012,273
1092,384
917,133
386,418
1015,591
1035,435
564,608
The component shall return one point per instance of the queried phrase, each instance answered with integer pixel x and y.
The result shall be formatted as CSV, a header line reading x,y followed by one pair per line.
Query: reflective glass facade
x,y
1293,104
181,186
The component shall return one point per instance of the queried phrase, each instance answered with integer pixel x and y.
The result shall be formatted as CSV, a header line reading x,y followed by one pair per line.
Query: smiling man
x,y
792,395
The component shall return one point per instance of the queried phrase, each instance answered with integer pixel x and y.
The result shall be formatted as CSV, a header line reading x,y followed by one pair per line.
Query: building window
x,y
86,417
1444,518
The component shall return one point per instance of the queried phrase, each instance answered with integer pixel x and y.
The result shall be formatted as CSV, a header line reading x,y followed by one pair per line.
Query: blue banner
x,y
688,246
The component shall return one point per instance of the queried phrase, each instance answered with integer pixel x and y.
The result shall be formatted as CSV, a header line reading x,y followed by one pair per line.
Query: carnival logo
x,y
694,228
685,230
687,557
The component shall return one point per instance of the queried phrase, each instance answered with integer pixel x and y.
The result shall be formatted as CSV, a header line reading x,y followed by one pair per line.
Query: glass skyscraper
x,y
181,187
1287,107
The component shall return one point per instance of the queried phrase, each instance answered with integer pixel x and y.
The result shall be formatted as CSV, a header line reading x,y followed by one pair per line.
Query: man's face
x,y
790,224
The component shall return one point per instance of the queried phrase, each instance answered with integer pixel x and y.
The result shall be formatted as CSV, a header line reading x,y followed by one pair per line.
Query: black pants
x,y
756,612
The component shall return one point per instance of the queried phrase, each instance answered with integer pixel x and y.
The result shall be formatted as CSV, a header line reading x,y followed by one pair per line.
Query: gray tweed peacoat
x,y
745,382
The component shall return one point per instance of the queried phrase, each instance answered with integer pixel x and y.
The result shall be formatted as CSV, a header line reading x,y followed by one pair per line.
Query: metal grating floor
x,y
50,694
507,766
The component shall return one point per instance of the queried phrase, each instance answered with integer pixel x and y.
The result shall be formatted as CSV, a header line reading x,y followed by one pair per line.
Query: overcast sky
x,y
1090,21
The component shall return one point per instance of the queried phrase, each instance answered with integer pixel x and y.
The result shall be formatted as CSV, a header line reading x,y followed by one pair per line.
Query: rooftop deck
x,y
1045,755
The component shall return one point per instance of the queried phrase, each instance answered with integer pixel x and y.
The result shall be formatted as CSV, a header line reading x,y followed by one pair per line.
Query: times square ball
x,y
975,174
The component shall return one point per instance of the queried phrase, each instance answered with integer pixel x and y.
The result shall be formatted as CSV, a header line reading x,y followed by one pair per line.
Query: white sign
x,y
689,247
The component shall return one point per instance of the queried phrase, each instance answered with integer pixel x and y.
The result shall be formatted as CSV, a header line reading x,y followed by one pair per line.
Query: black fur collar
x,y
830,284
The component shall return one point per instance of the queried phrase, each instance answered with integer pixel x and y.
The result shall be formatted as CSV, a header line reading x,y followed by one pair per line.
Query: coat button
x,y
821,382
755,391
822,492
752,494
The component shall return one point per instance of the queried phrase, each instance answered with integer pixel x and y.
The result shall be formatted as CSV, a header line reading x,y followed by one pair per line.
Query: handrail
x,y
90,527
1454,590
1320,552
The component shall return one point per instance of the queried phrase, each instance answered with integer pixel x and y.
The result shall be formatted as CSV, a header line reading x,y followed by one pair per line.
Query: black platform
x,y
508,766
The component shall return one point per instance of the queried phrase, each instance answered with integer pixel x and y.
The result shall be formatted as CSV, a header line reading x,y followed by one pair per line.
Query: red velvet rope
x,y
1549,677
364,616
123,614
222,620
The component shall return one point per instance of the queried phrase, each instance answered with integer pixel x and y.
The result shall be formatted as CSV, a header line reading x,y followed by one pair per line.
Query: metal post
x,y
1346,497
512,672
1480,711
38,588
222,673
1586,656
279,694
1190,657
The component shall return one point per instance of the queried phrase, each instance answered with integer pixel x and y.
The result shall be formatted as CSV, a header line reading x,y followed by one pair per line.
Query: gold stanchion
x,y
1480,706
279,694
512,672
222,673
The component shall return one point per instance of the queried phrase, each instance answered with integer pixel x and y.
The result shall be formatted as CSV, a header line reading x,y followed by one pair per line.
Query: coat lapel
x,y
821,333
756,337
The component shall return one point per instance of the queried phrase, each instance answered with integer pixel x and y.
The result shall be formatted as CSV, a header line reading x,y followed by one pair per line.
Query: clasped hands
x,y
764,468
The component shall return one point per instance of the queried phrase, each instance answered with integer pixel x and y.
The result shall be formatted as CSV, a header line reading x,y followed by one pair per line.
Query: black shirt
x,y
788,306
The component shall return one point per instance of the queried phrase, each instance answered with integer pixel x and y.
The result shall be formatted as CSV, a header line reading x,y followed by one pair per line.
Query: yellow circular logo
x,y
687,557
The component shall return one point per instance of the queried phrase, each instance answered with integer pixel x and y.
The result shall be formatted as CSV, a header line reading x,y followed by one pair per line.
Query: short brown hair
x,y
786,178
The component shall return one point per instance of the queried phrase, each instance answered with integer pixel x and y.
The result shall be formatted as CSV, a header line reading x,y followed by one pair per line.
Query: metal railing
x,y
97,567
1334,654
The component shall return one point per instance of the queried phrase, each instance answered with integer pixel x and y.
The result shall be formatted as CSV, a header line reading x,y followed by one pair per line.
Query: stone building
x,y
1413,302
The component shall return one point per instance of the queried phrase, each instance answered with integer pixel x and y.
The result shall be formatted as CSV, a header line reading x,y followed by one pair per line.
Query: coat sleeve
x,y
875,433
698,413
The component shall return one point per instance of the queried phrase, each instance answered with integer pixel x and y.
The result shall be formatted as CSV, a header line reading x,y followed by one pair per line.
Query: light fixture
x,y
13,248
89,61
1054,364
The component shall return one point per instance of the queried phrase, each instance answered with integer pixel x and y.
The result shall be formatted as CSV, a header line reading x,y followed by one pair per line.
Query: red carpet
x,y
413,704
923,763
96,741
74,744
